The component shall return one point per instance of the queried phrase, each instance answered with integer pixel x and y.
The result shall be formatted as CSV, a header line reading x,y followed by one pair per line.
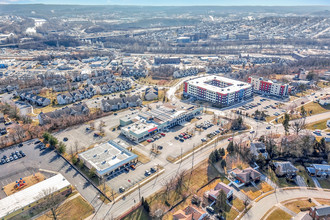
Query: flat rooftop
x,y
233,85
107,156
32,194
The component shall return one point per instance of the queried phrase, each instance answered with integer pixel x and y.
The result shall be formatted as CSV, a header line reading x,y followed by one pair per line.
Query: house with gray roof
x,y
285,168
258,148
75,110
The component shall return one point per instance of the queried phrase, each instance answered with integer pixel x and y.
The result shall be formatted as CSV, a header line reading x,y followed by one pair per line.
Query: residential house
x,y
320,170
3,129
245,176
120,103
76,110
114,87
320,212
258,148
64,99
151,94
190,213
285,168
2,118
213,193
34,99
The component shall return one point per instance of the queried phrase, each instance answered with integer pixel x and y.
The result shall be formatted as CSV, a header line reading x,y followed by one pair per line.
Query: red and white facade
x,y
219,90
264,86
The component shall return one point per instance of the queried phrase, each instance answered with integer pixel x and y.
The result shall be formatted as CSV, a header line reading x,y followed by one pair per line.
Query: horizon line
x,y
194,5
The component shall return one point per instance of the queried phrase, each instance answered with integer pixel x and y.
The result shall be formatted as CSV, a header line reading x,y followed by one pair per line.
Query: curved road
x,y
260,208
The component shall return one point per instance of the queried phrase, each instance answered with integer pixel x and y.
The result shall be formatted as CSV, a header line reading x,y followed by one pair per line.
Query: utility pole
x,y
193,158
139,193
181,155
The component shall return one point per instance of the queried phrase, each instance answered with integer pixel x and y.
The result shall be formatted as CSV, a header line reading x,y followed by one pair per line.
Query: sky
x,y
175,2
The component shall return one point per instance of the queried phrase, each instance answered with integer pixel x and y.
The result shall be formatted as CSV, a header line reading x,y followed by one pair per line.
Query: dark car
x,y
20,145
65,139
37,142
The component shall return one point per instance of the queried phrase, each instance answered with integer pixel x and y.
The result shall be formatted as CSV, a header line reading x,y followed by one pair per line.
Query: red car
x,y
163,134
185,137
148,140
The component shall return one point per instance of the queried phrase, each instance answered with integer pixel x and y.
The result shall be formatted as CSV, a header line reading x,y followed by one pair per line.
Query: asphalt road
x,y
260,208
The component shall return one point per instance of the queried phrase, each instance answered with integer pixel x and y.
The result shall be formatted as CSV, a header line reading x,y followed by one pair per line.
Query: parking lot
x,y
130,177
271,107
46,161
84,138
172,146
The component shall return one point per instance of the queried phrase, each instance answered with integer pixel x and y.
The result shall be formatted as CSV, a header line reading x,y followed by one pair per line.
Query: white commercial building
x,y
26,199
218,90
107,158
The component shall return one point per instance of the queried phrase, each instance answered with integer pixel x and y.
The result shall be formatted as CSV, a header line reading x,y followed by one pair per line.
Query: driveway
x,y
316,182
300,181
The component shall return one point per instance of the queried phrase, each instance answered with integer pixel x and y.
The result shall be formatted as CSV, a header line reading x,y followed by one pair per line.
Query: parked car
x,y
147,173
176,138
268,127
121,189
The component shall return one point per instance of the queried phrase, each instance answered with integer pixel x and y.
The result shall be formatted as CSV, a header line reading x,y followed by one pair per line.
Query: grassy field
x,y
325,183
316,108
141,157
317,125
138,214
74,209
253,192
29,181
295,206
149,81
302,172
323,201
278,214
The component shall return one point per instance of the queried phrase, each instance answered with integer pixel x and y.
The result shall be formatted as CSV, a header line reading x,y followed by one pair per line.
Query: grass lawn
x,y
141,157
238,204
323,84
201,175
302,172
253,192
280,181
323,201
295,206
138,214
231,215
46,109
29,181
278,214
270,118
74,209
325,183
317,125
316,108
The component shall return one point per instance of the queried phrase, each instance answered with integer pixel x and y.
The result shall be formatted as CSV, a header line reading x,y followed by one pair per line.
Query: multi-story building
x,y
218,90
263,86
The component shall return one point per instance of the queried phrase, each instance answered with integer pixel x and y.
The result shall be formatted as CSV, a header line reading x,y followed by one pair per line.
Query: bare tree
x,y
51,201
298,125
